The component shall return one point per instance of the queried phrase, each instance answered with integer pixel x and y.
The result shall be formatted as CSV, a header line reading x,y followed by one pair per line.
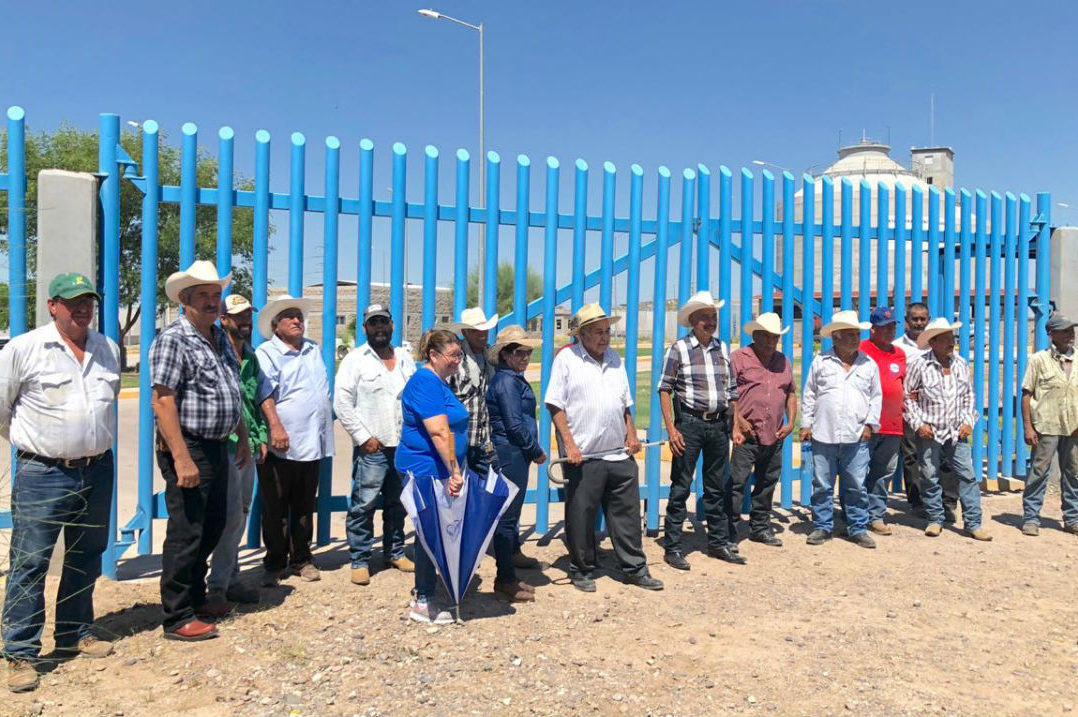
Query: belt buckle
x,y
74,464
713,415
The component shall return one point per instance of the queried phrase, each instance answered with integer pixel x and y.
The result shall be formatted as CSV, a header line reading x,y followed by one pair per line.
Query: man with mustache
x,y
198,404
58,388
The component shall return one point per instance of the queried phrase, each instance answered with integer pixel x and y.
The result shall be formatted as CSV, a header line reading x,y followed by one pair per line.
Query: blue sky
x,y
672,84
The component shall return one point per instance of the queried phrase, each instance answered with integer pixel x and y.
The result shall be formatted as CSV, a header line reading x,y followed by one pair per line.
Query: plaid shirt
x,y
469,384
205,377
945,401
701,378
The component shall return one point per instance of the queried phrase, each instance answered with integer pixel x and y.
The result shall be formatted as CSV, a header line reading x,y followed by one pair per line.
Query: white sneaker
x,y
423,611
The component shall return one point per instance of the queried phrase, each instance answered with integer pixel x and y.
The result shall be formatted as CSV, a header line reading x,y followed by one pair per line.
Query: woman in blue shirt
x,y
434,442
515,434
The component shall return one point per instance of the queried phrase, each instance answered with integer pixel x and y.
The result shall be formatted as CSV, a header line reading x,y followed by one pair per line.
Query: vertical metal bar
x,y
934,303
430,236
1010,248
864,250
994,357
550,305
688,196
767,239
580,218
188,193
827,252
658,342
725,252
606,246
397,290
632,290
745,302
703,229
964,273
1022,330
846,275
979,356
260,282
330,237
808,290
460,249
225,200
147,327
16,203
520,276
947,297
901,247
883,244
1044,237
296,206
364,243
917,247
489,299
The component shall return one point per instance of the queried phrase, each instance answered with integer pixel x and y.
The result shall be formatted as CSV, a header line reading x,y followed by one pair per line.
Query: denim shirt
x,y
511,405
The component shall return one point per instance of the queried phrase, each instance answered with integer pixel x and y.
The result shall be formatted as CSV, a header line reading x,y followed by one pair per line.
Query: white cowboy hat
x,y
769,322
844,320
473,318
935,328
200,272
589,314
274,307
699,300
511,335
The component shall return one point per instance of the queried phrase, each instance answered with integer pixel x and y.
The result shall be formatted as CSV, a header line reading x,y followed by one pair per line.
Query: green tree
x,y
4,323
76,150
506,285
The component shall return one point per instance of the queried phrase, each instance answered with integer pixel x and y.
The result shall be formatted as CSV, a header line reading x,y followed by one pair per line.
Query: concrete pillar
x,y
1064,258
66,230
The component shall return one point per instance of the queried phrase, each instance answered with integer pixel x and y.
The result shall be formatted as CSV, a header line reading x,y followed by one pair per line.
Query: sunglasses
x,y
522,352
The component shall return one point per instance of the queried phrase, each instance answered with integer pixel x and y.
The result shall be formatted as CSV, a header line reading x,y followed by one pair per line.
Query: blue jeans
x,y
849,461
932,456
1066,447
426,578
45,500
225,564
373,475
883,453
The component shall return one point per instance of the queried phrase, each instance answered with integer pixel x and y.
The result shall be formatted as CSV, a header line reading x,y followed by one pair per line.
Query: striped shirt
x,y
469,384
838,403
944,401
700,377
594,396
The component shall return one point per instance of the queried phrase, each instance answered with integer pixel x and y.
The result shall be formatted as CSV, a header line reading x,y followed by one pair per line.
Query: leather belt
x,y
72,464
704,415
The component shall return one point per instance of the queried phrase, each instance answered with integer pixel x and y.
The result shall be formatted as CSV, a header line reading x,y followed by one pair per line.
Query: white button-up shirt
x,y
594,396
299,385
837,404
367,395
910,347
52,405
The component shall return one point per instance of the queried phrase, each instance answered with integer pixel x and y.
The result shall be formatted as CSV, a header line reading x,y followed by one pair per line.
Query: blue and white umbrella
x,y
456,530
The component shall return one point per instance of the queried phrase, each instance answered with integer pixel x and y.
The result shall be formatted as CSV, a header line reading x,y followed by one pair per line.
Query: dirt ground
x,y
919,626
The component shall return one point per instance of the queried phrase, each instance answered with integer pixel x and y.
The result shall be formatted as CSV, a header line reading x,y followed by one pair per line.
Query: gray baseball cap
x,y
1059,322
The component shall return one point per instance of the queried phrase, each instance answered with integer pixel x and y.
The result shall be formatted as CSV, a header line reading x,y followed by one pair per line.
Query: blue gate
x,y
980,251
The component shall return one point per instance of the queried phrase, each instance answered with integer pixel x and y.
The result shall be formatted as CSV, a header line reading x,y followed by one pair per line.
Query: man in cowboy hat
x,y
198,403
367,399
884,447
1050,418
470,382
698,396
58,388
942,408
589,401
224,579
839,413
766,392
300,417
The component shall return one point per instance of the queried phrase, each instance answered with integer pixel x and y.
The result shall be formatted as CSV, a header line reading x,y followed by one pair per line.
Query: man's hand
x,y
573,455
926,432
262,451
677,441
632,444
371,445
278,438
243,454
1031,436
866,433
806,434
914,395
964,431
186,473
784,430
737,436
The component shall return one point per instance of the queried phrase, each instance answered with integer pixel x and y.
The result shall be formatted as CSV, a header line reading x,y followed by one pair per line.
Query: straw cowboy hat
x,y
199,273
589,314
511,335
473,318
935,328
699,300
769,322
844,320
274,307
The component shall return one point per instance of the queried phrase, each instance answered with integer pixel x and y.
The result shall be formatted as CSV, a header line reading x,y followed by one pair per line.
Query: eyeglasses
x,y
456,356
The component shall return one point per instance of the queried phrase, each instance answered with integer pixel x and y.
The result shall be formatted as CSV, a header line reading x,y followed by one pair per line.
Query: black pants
x,y
911,472
766,461
288,490
196,518
614,485
712,439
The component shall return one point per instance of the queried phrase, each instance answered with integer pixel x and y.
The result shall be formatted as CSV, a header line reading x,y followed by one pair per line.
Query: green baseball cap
x,y
72,285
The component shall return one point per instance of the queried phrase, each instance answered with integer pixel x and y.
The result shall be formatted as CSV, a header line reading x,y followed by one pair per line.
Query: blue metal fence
x,y
1004,248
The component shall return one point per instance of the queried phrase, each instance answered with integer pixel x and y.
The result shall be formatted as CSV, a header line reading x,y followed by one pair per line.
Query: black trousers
x,y
766,461
911,472
196,518
712,440
288,490
615,486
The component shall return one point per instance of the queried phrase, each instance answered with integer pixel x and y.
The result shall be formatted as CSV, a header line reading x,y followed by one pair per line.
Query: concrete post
x,y
1064,263
66,230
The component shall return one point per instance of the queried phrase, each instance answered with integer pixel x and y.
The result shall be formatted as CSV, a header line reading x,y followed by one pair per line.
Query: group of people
x,y
463,403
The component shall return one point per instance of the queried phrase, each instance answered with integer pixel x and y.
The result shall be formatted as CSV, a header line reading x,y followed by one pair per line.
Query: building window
x,y
341,319
929,180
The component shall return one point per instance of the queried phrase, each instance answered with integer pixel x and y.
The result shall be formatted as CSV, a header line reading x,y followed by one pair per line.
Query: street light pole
x,y
435,15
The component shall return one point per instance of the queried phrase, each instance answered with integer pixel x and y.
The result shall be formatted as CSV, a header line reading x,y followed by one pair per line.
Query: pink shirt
x,y
762,391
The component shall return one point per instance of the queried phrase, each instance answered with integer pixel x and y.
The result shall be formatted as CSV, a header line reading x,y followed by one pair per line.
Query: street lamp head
x,y
759,162
427,12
